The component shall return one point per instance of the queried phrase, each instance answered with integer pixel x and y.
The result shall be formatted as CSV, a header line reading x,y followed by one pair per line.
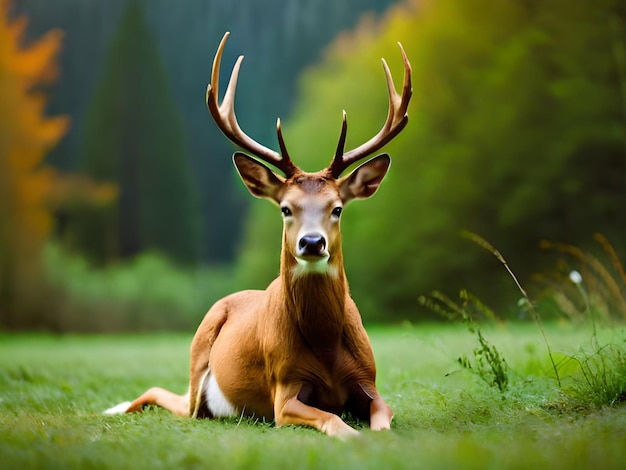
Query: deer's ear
x,y
364,180
259,179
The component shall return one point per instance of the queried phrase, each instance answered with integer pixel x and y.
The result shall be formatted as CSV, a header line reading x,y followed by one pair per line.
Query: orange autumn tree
x,y
26,135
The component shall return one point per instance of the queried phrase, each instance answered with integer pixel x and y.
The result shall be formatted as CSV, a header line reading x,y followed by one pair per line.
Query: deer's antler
x,y
397,119
224,116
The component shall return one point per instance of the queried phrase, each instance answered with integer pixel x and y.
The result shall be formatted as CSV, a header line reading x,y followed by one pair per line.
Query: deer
x,y
297,352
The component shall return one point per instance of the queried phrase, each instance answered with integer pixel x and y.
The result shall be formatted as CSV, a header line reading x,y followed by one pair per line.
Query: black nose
x,y
312,244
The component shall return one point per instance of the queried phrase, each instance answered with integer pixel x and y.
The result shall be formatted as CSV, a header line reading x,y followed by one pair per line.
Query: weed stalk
x,y
577,280
480,241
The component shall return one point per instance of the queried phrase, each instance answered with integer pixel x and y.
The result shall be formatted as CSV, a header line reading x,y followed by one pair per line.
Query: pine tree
x,y
134,136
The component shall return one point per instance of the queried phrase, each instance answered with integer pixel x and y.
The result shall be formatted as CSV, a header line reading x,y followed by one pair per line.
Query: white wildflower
x,y
575,277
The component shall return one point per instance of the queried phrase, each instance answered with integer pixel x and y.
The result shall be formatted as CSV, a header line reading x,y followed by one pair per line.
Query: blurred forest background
x,y
120,208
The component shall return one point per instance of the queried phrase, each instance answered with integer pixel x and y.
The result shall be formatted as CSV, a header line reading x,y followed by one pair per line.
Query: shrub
x,y
147,292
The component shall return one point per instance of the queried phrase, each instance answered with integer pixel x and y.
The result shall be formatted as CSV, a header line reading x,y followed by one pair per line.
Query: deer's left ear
x,y
365,179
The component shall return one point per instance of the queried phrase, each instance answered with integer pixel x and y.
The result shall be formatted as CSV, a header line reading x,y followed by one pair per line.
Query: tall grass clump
x,y
146,293
600,378
590,289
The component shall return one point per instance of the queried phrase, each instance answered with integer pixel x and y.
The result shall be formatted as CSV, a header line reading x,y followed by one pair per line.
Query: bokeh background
x,y
120,208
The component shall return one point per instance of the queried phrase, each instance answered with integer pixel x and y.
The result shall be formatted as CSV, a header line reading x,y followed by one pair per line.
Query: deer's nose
x,y
312,244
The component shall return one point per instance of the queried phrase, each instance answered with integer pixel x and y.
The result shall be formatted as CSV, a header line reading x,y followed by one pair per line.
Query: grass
x,y
53,388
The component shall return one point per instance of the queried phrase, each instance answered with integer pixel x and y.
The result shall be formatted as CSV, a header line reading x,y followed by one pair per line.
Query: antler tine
x,y
397,119
226,120
288,166
342,138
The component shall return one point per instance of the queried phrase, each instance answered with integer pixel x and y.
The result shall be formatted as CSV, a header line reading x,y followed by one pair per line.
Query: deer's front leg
x,y
380,414
289,410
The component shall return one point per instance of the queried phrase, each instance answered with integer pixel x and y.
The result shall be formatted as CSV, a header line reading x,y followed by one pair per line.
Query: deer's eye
x,y
337,211
286,211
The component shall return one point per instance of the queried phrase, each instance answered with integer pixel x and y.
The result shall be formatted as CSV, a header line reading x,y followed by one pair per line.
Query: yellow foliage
x,y
76,189
26,135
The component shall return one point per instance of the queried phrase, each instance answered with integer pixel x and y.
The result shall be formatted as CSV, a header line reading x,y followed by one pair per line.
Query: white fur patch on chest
x,y
218,404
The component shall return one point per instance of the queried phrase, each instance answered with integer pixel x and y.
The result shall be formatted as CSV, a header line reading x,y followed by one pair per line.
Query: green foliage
x,y
146,293
516,132
134,136
54,388
489,364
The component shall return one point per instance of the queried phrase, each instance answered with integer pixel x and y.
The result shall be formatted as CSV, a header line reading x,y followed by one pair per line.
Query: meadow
x,y
53,389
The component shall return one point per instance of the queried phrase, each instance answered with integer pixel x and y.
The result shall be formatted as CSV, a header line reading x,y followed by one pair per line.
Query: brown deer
x,y
296,352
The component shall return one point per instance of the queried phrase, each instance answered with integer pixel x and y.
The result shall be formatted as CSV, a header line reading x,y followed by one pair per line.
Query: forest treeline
x,y
517,132
174,43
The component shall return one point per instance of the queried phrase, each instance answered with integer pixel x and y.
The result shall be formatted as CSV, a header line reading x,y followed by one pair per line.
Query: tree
x,y
134,136
26,134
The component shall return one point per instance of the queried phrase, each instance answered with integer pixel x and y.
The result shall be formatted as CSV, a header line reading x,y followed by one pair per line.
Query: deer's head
x,y
310,203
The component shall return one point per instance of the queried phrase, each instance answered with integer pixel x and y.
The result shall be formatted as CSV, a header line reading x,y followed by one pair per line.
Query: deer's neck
x,y
316,301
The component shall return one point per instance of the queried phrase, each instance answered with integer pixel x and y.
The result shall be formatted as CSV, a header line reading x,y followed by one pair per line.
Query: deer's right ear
x,y
259,179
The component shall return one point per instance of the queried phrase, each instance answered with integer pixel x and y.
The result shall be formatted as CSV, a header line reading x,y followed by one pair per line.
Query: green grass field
x,y
53,389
